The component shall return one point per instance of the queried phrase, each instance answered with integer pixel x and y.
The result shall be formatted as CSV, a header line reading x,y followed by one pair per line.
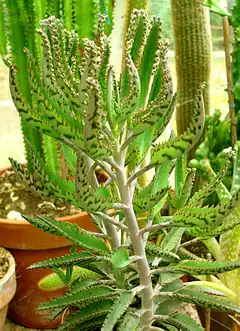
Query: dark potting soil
x,y
14,196
4,263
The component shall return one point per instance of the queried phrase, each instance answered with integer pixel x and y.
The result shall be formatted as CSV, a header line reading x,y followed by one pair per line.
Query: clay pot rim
x,y
20,234
11,269
25,223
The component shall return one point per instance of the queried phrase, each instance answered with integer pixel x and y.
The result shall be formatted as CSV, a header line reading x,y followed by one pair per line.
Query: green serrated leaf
x,y
117,310
72,232
82,297
86,314
206,267
185,322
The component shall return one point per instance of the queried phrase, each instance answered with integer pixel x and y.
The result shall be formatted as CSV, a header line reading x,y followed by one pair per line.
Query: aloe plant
x,y
112,125
18,23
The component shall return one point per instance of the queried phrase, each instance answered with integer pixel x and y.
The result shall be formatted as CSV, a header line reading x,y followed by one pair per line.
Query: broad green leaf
x,y
120,258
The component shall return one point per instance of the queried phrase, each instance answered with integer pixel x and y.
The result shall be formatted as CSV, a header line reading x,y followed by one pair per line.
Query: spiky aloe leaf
x,y
206,267
86,314
118,309
72,232
82,297
158,252
53,282
184,322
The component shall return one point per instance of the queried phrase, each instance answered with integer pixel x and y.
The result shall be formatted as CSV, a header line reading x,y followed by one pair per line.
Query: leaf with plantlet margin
x,y
172,239
206,300
72,258
206,267
169,151
87,313
158,252
213,231
82,297
72,232
130,321
184,322
117,310
145,204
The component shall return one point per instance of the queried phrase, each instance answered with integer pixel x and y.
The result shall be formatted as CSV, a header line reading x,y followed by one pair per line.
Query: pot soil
x,y
7,283
29,245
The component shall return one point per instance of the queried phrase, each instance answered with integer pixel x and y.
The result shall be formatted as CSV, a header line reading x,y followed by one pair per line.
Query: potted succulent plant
x,y
116,125
7,283
16,22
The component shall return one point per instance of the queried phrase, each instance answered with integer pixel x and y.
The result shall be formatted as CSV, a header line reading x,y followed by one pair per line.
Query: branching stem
x,y
137,243
111,220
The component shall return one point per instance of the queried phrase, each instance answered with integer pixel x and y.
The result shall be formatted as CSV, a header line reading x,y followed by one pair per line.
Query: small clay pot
x,y
29,245
7,289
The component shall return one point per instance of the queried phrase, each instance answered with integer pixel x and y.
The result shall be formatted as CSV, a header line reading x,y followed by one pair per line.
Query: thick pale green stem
x,y
137,242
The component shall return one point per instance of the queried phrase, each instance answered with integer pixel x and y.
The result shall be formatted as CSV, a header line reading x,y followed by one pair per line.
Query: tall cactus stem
x,y
192,34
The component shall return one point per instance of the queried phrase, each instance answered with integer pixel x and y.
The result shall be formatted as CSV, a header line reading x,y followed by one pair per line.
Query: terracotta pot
x,y
7,289
29,245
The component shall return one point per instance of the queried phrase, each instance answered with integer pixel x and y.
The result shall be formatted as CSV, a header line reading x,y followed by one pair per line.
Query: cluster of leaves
x,y
215,147
113,124
18,23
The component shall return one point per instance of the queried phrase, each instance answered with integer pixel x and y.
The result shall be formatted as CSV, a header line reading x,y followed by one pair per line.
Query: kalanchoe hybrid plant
x,y
128,282
18,23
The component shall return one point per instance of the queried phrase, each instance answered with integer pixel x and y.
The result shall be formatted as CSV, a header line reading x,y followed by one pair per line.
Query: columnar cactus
x,y
192,36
